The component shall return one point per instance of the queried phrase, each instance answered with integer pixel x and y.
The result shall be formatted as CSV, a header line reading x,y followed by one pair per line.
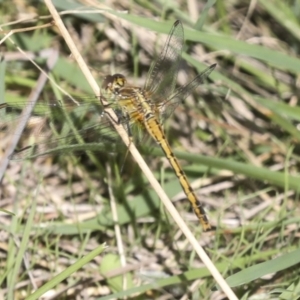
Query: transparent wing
x,y
167,107
57,128
162,75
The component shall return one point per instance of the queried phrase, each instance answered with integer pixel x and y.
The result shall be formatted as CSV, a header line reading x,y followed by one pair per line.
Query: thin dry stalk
x,y
160,192
33,97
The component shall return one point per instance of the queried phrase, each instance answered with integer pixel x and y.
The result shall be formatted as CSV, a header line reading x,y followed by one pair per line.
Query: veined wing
x,y
167,107
161,78
74,128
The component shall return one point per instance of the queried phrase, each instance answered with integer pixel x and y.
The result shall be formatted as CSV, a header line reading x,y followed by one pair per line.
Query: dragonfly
x,y
145,108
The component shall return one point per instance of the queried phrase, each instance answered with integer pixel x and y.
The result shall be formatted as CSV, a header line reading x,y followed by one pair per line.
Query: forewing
x,y
182,93
162,76
57,128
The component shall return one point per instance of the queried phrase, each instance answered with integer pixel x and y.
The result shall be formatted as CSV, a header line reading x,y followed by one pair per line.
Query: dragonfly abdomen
x,y
155,130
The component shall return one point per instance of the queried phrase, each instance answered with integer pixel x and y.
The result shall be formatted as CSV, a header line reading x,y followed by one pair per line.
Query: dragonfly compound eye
x,y
114,82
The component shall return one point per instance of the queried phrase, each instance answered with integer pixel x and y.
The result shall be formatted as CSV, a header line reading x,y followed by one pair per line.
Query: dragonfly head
x,y
113,83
